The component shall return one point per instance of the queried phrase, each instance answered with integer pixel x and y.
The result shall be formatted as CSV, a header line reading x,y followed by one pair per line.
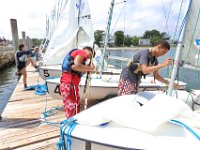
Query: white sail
x,y
190,55
74,30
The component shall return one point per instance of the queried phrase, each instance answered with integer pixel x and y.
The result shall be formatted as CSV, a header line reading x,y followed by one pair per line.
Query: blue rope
x,y
68,140
68,125
50,112
188,128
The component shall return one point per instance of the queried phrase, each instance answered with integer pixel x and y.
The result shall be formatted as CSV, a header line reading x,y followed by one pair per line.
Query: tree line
x,y
120,39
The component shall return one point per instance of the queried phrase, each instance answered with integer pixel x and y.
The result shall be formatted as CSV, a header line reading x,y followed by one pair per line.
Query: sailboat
x,y
104,85
147,120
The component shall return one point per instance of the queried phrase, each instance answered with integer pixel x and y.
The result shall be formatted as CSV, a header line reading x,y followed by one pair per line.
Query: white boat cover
x,y
127,111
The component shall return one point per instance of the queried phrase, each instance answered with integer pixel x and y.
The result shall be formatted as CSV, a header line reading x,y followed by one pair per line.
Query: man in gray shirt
x,y
143,63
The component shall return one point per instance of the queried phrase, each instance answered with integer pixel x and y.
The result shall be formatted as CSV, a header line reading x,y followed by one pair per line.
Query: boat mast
x,y
178,53
107,35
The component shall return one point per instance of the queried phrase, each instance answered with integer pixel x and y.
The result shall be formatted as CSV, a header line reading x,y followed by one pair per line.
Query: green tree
x,y
119,38
154,40
152,33
165,36
147,34
135,40
99,35
155,36
36,41
127,40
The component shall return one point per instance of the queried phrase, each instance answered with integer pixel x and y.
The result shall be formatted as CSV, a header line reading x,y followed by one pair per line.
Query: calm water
x,y
8,82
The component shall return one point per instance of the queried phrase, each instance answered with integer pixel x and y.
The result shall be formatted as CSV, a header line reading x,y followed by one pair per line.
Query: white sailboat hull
x,y
96,92
46,72
101,88
115,136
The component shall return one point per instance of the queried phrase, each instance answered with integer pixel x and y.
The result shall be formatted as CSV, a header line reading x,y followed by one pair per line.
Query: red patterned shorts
x,y
71,99
126,87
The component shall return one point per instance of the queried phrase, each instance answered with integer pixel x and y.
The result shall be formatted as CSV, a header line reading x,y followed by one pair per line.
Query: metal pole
x,y
178,54
107,35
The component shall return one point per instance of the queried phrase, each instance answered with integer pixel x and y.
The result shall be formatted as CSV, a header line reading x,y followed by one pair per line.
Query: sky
x,y
139,15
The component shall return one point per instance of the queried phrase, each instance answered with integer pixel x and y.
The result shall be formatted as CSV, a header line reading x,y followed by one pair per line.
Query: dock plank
x,y
21,126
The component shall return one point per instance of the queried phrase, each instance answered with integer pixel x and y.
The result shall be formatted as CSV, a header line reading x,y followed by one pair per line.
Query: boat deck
x,y
21,127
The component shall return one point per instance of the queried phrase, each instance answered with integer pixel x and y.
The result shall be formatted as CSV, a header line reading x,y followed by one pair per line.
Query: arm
x,y
160,78
78,66
147,69
27,52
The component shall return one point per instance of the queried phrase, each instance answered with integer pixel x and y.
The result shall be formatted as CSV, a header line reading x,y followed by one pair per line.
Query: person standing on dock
x,y
72,68
143,63
23,61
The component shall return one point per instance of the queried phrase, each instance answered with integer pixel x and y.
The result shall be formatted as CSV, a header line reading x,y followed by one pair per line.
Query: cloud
x,y
30,15
140,15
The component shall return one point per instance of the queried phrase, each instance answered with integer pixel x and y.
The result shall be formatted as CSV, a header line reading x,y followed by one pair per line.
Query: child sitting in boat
x,y
143,63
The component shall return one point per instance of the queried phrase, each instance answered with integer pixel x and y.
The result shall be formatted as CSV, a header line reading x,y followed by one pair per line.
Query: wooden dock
x,y
21,127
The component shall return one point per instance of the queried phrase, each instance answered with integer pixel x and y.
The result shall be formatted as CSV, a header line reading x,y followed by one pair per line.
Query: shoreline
x,y
130,48
126,48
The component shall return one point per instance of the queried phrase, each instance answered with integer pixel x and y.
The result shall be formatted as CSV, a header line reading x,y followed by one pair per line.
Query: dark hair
x,y
21,46
90,49
33,46
164,44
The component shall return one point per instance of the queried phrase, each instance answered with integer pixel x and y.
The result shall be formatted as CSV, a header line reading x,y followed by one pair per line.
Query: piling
x,y
24,37
15,36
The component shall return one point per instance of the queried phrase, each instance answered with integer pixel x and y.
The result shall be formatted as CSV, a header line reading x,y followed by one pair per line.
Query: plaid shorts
x,y
126,87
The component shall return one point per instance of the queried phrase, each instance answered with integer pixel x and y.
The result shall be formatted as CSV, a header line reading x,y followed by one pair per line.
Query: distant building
x,y
144,42
111,41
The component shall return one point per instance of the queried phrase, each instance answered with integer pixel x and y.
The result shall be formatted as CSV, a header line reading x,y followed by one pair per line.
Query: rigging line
x,y
124,35
165,15
167,29
168,16
118,19
124,23
175,32
169,10
178,19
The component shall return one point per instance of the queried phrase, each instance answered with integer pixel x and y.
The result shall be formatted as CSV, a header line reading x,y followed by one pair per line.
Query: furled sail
x,y
74,30
190,55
